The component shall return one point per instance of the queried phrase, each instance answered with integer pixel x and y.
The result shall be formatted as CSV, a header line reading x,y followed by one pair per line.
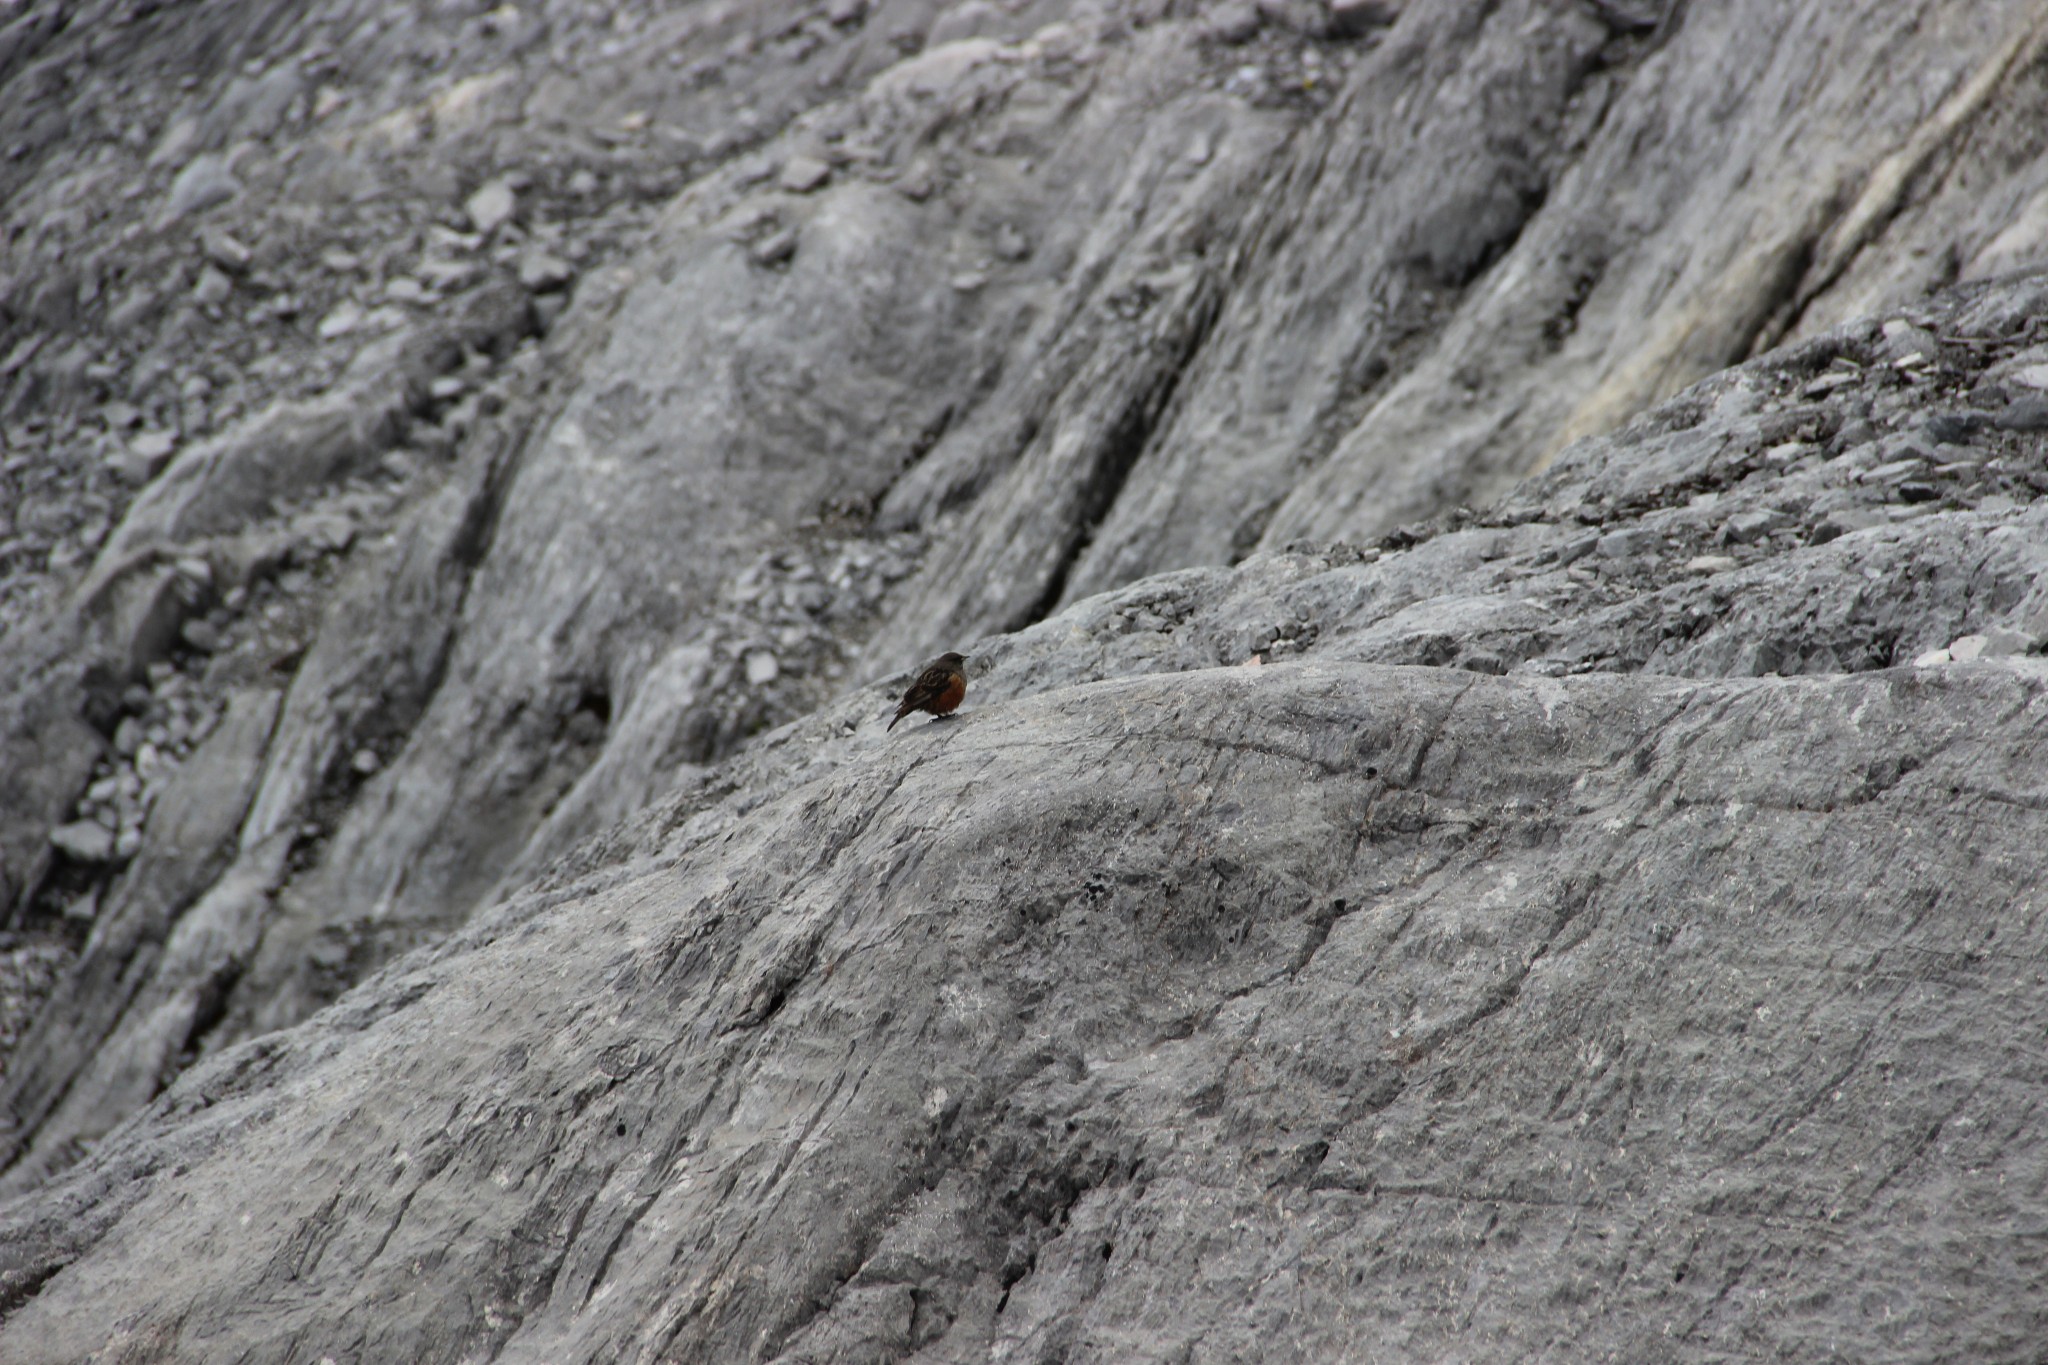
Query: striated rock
x,y
1445,855
1394,986
1495,894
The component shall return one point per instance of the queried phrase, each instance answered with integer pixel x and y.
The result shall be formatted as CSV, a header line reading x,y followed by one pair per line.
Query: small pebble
x,y
540,272
1744,527
1625,544
87,841
344,319
1891,472
1829,382
1234,21
214,287
491,207
776,247
203,636
803,174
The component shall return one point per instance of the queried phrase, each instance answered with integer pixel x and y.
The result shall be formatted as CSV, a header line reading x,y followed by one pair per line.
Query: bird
x,y
939,687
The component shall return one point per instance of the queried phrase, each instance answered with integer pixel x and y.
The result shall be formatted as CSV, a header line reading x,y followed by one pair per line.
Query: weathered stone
x,y
1745,527
2028,377
1626,544
541,272
1233,21
344,318
775,248
2029,413
213,289
204,182
86,840
803,174
1351,18
1080,978
491,206
1997,643
224,249
1547,751
110,1043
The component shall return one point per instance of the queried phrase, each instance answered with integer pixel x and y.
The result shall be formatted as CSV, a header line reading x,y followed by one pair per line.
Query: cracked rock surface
x,y
1506,963
1502,550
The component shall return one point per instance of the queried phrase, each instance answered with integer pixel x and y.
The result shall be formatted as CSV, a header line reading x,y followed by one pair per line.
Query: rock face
x,y
1523,956
1599,921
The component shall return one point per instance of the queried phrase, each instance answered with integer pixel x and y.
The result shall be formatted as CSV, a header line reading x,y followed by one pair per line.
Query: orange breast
x,y
956,689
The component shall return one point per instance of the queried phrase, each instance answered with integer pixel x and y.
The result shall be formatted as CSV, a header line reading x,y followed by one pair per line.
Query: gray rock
x,y
203,635
1233,21
2024,414
205,181
775,248
144,456
491,206
224,250
542,272
344,318
1955,427
1279,324
214,287
1893,471
1906,343
1403,938
1746,527
804,174
1998,643
1351,18
292,448
153,447
112,1038
1625,544
85,840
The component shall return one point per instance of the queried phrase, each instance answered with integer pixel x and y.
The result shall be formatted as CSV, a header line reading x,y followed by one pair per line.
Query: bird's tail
x,y
900,714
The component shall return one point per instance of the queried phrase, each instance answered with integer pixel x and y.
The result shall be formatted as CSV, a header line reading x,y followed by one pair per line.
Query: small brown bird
x,y
938,688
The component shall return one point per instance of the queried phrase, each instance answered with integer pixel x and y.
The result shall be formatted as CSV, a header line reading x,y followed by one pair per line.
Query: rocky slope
x,y
459,464
1603,925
